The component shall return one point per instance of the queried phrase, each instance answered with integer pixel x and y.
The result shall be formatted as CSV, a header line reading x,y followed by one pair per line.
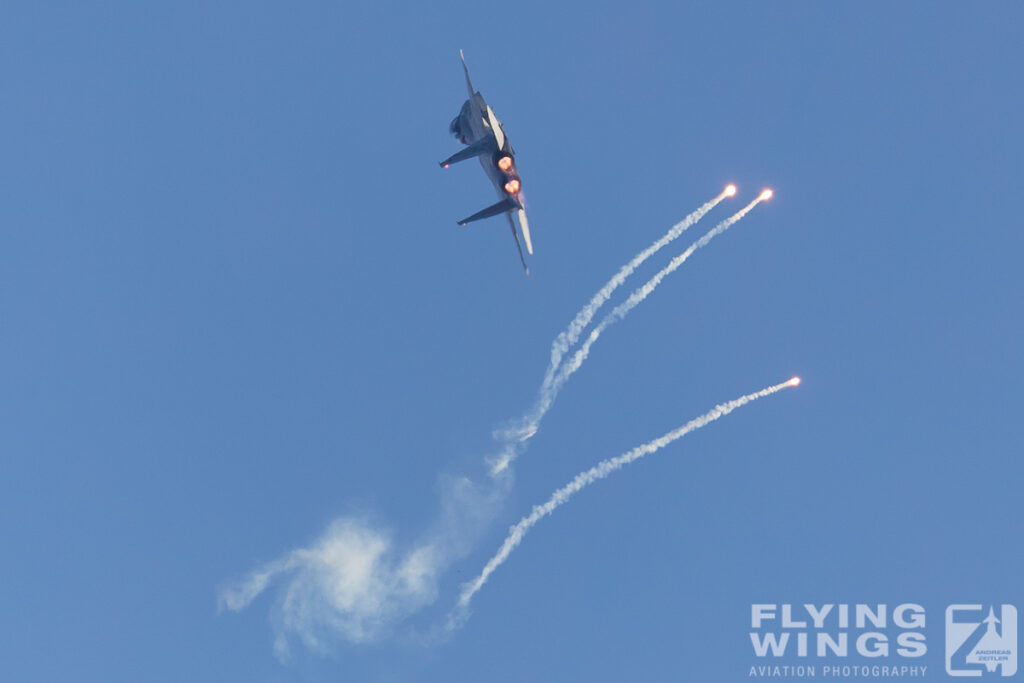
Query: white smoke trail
x,y
641,293
566,338
599,471
571,334
549,390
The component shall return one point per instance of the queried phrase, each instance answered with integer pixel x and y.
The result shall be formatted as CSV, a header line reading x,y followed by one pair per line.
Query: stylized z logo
x,y
965,614
981,640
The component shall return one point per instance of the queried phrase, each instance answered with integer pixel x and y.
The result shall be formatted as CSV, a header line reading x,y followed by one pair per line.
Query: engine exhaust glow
x,y
512,186
505,163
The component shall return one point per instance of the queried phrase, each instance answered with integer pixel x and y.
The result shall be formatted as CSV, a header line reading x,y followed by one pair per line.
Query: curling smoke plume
x,y
357,582
599,471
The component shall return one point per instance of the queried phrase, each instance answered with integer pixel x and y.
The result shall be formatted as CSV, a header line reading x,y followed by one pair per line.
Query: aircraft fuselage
x,y
479,129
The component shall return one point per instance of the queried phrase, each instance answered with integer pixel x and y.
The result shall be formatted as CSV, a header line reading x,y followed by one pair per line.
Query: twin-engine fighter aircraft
x,y
478,127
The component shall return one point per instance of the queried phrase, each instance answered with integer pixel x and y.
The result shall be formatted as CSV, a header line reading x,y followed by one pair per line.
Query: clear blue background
x,y
234,305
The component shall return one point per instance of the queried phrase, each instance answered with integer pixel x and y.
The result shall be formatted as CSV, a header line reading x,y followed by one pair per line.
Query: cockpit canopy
x,y
456,127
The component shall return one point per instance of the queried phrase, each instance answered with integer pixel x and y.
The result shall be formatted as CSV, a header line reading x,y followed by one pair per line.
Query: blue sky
x,y
235,308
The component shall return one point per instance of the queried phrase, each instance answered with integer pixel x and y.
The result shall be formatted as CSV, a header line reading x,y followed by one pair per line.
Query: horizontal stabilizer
x,y
484,145
506,204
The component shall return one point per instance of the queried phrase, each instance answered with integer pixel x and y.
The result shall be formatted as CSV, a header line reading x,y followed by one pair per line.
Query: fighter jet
x,y
477,127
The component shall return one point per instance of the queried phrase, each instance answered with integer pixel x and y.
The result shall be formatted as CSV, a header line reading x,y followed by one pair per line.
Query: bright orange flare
x,y
505,163
730,191
767,194
512,186
794,382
